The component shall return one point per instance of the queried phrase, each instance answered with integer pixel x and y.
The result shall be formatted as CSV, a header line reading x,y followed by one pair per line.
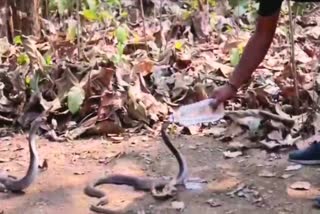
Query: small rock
x,y
293,167
266,174
229,154
285,176
116,139
177,205
236,146
193,147
79,173
301,185
213,203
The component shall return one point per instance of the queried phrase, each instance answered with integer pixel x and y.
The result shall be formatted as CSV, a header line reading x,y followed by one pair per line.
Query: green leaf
x,y
120,48
48,60
178,45
105,15
72,30
113,2
116,59
75,99
92,4
17,40
122,35
27,80
90,15
23,59
235,56
124,14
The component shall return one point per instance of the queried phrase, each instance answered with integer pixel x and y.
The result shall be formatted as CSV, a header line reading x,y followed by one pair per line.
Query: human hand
x,y
222,94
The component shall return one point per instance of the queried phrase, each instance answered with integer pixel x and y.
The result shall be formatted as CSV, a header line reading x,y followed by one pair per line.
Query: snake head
x,y
36,123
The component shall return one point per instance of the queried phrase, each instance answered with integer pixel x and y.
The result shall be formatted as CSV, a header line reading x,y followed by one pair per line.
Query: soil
x,y
260,177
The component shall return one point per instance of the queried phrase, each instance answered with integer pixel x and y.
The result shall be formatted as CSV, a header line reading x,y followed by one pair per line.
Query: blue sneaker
x,y
308,156
316,204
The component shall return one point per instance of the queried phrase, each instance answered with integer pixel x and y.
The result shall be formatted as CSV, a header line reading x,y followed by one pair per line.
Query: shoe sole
x,y
306,162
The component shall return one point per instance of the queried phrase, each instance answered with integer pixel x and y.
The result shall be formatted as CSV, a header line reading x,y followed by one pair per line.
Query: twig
x,y
78,29
262,113
293,64
160,22
144,24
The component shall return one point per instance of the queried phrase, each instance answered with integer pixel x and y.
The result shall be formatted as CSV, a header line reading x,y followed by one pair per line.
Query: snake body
x,y
11,183
144,184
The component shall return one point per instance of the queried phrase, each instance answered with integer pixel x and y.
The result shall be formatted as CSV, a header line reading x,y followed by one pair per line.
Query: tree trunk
x,y
4,18
26,17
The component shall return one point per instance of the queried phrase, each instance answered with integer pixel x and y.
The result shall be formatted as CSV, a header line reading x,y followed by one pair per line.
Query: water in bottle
x,y
197,113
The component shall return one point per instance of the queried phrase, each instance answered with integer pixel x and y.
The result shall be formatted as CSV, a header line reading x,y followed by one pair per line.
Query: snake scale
x,y
11,183
168,188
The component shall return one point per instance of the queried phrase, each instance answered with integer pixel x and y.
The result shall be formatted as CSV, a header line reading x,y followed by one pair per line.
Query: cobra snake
x,y
145,184
11,183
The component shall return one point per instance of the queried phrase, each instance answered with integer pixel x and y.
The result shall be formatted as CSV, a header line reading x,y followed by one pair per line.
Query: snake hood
x,y
10,182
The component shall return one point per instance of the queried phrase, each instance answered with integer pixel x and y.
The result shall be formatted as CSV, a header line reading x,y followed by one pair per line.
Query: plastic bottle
x,y
196,113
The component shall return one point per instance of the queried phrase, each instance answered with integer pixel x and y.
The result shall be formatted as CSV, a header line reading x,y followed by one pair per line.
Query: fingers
x,y
214,104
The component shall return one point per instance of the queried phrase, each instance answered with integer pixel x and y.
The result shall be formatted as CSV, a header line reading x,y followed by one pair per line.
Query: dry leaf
x,y
300,185
293,167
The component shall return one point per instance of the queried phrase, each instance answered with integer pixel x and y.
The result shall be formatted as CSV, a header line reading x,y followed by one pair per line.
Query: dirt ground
x,y
260,177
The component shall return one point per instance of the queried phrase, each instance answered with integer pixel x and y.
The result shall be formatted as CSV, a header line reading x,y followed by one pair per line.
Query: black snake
x,y
11,183
168,188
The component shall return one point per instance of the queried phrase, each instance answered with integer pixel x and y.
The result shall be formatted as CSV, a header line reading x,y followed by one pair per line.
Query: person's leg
x,y
308,156
317,202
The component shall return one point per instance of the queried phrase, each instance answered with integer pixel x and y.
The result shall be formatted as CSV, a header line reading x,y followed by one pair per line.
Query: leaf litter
x,y
126,80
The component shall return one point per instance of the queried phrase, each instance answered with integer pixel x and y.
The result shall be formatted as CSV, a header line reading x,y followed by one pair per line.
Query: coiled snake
x,y
10,183
168,188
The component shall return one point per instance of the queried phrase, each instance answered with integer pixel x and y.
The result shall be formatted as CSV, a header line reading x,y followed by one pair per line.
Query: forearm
x,y
255,50
250,60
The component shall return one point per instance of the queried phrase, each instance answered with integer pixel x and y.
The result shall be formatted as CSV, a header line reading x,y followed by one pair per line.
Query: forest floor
x,y
262,178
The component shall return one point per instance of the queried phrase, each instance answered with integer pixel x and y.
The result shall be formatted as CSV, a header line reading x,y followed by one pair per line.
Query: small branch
x,y
78,29
144,24
262,113
160,22
293,63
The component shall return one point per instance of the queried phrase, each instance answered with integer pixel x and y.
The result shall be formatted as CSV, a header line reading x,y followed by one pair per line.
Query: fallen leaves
x,y
127,76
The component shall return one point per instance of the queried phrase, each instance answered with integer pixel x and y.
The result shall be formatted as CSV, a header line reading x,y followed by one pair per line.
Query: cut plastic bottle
x,y
197,113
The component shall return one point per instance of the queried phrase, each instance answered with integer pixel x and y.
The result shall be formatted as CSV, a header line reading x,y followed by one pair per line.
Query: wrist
x,y
232,86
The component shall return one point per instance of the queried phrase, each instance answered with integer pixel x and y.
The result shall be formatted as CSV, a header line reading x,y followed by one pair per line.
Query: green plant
x,y
76,96
23,59
122,35
236,55
17,40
